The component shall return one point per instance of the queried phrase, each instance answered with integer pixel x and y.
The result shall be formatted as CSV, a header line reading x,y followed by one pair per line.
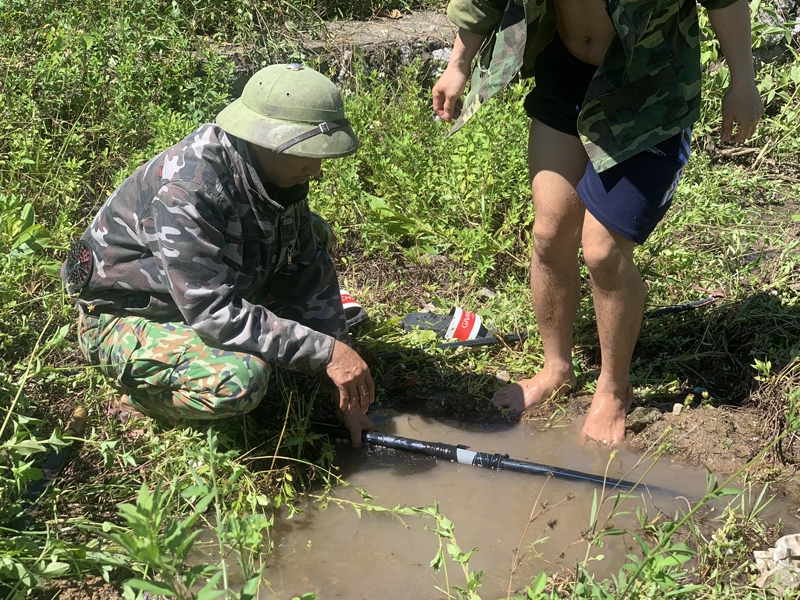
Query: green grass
x,y
92,89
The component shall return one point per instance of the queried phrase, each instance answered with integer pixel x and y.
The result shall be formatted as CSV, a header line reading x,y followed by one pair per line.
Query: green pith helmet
x,y
291,109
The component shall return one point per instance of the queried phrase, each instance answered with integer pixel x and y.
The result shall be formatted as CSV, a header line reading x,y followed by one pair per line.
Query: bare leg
x,y
619,303
557,162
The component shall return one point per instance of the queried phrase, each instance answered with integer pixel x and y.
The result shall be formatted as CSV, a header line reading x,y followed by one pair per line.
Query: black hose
x,y
500,462
668,310
32,498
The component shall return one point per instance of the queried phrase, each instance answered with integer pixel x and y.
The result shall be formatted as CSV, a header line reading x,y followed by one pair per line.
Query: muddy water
x,y
338,554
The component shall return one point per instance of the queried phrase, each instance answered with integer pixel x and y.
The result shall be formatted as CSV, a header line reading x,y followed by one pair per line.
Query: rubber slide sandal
x,y
458,324
353,311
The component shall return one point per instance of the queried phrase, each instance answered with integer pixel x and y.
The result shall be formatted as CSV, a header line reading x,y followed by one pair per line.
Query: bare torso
x,y
585,28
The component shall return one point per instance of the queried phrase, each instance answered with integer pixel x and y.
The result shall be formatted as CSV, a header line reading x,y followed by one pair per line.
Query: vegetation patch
x,y
92,89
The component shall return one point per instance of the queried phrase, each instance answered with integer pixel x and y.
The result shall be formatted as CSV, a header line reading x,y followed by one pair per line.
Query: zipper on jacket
x,y
282,233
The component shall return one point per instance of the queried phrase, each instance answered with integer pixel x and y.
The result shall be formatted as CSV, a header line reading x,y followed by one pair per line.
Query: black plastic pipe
x,y
51,468
676,308
500,462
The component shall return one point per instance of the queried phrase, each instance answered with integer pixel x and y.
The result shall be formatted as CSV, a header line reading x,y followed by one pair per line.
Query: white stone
x,y
503,376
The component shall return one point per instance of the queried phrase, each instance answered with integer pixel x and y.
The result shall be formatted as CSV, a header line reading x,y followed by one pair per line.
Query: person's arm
x,y
742,102
450,87
475,19
186,234
307,291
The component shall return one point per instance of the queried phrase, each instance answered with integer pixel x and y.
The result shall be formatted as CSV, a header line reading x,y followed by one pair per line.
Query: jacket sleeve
x,y
188,239
306,290
476,16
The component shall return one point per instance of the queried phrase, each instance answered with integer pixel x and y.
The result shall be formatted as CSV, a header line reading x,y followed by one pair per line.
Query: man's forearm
x,y
731,25
465,47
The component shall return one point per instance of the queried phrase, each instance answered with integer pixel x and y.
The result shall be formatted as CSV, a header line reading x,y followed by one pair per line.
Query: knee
x,y
553,243
606,263
226,389
241,386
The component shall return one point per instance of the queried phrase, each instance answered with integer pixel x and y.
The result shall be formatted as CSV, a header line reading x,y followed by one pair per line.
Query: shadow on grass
x,y
711,349
716,348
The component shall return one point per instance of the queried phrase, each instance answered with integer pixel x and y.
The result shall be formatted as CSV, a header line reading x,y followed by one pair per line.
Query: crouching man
x,y
205,269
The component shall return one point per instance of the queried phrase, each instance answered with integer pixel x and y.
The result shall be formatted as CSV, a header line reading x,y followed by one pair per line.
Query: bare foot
x,y
521,395
605,422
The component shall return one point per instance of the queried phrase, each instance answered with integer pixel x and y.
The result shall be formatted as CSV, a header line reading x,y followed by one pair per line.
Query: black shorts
x,y
631,197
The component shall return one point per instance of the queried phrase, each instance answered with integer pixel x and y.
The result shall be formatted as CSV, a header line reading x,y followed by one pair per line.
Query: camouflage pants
x,y
168,372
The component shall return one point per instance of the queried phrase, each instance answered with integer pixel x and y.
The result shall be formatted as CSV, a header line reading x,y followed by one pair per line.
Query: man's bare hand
x,y
741,105
448,90
742,102
447,93
351,376
356,422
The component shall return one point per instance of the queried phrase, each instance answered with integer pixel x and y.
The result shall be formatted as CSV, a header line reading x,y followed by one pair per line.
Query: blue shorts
x,y
631,197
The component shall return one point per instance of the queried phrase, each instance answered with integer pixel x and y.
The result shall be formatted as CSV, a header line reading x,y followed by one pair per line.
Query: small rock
x,y
430,307
503,376
442,54
677,409
486,294
641,417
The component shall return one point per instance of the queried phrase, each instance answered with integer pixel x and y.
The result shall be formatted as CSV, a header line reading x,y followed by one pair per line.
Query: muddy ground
x,y
91,587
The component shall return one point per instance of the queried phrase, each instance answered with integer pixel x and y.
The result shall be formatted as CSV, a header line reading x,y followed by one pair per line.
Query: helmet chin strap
x,y
323,127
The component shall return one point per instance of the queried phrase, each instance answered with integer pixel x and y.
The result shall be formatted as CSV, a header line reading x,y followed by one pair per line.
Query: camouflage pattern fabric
x,y
193,237
646,90
168,372
323,232
489,76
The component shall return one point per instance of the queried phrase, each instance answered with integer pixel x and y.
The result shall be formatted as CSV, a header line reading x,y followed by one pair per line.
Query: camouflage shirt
x,y
646,90
193,235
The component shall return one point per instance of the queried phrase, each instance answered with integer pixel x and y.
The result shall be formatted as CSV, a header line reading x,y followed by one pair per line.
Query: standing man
x,y
617,91
205,269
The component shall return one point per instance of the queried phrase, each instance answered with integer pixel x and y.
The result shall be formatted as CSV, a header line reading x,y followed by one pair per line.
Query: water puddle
x,y
338,554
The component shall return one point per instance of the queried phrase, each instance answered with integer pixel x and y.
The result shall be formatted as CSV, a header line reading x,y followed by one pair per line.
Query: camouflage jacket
x,y
194,235
646,90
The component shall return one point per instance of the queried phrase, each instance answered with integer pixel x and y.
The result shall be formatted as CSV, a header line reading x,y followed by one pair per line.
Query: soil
x,y
723,439
90,587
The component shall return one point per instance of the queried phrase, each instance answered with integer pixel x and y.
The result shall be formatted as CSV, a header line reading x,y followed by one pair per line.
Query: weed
x,y
92,89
